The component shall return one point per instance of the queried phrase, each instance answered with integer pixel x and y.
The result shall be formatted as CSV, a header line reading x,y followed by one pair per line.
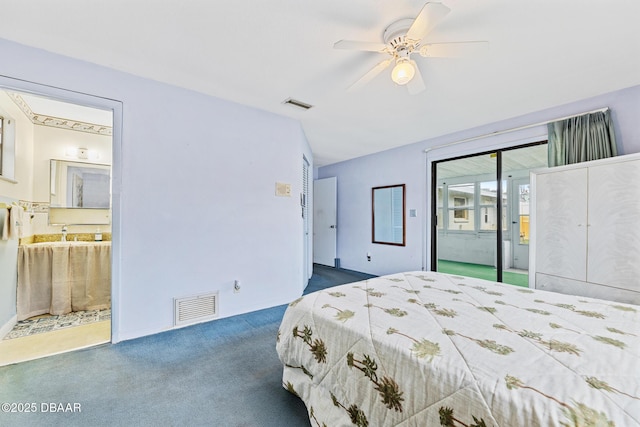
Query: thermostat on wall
x,y
283,190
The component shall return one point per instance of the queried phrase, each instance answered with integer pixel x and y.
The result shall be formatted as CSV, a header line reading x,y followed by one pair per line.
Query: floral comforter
x,y
430,349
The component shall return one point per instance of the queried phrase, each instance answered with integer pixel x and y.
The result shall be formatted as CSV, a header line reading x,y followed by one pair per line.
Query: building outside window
x,y
461,200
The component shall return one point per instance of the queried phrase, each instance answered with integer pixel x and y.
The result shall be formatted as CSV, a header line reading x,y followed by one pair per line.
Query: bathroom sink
x,y
68,243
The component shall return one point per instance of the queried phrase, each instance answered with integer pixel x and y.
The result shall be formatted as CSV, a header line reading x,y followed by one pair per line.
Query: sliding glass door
x,y
467,216
481,211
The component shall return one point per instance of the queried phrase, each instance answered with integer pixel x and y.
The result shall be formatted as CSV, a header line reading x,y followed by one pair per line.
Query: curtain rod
x,y
500,132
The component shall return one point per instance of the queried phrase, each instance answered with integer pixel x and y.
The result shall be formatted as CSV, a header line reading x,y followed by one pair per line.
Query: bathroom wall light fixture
x,y
82,153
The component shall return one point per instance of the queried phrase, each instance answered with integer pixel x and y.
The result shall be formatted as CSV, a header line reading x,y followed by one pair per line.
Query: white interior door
x,y
325,208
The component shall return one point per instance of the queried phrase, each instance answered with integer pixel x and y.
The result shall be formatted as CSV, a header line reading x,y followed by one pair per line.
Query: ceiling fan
x,y
404,38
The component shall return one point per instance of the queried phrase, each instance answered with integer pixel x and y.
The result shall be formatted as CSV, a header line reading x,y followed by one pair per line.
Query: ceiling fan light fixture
x,y
403,72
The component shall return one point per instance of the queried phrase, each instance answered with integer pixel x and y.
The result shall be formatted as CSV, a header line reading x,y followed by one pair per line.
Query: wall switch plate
x,y
236,286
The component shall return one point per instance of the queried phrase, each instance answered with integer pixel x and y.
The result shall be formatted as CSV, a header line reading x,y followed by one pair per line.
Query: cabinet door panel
x,y
576,287
561,219
614,217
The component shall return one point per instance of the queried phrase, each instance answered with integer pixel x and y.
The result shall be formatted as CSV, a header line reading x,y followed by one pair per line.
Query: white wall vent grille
x,y
194,309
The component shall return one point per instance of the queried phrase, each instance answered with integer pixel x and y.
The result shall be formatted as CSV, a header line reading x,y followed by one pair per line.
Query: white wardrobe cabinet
x,y
585,229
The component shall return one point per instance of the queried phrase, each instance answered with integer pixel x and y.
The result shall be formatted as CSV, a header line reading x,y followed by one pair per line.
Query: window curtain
x,y
582,138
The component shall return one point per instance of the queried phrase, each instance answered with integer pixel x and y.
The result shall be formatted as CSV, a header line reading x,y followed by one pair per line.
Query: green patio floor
x,y
482,272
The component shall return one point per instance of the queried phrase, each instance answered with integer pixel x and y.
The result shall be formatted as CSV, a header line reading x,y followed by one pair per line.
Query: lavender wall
x,y
193,188
411,165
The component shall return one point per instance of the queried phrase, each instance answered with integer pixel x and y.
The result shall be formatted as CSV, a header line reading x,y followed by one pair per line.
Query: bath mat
x,y
48,323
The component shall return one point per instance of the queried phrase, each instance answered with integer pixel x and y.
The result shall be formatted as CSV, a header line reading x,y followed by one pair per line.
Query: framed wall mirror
x,y
388,215
80,193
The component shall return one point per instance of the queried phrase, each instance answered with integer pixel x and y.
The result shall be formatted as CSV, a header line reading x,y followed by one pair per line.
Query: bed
x,y
431,349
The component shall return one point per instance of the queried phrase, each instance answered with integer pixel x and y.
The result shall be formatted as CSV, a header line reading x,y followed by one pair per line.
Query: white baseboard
x,y
7,327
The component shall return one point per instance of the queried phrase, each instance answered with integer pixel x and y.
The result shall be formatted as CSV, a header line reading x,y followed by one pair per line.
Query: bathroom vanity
x,y
61,277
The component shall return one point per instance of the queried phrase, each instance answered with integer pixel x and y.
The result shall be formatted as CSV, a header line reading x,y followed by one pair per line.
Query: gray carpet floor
x,y
222,373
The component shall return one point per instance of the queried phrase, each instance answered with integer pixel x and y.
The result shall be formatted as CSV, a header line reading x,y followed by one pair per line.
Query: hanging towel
x,y
16,214
4,223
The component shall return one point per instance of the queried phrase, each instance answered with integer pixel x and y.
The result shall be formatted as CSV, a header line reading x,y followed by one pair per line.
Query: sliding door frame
x,y
499,208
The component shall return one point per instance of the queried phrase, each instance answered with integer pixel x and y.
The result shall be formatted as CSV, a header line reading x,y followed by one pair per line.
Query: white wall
x,y
194,192
22,188
11,192
410,165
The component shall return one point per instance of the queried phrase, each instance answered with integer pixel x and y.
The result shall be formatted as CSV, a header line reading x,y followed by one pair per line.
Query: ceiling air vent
x,y
296,103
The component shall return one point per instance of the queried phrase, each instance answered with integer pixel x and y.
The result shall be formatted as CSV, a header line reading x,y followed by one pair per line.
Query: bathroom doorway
x,y
75,130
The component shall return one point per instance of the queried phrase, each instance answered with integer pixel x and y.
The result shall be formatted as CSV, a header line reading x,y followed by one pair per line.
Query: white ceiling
x,y
542,53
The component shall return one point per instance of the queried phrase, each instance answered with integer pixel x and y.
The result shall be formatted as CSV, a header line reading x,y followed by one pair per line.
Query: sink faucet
x,y
64,233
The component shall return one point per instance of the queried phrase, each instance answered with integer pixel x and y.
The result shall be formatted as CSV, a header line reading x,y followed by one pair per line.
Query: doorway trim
x,y
100,102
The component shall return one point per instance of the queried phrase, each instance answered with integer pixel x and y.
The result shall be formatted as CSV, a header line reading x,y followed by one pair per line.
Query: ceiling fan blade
x,y
430,15
356,45
370,75
454,49
416,85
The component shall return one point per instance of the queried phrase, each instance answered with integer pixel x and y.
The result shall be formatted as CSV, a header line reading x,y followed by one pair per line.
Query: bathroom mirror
x,y
80,193
388,215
